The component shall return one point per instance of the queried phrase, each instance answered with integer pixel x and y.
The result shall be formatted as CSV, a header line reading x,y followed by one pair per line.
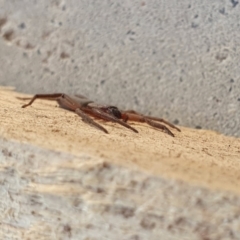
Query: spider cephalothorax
x,y
114,111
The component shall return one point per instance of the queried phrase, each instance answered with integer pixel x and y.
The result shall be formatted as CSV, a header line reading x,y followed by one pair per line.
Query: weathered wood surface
x,y
62,179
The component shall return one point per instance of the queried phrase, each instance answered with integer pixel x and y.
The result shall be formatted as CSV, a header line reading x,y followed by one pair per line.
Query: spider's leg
x,y
160,126
53,96
140,118
162,120
89,121
154,119
101,114
132,111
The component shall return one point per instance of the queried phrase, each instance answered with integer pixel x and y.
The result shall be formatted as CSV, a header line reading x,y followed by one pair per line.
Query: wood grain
x,y
68,163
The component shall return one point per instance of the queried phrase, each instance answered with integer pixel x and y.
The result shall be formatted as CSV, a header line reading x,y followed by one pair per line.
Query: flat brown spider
x,y
83,106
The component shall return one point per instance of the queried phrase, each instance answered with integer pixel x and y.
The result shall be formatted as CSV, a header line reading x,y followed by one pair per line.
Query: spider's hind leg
x,y
53,96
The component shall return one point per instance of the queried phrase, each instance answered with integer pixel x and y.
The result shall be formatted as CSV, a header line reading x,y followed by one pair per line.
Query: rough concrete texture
x,y
51,195
175,59
63,179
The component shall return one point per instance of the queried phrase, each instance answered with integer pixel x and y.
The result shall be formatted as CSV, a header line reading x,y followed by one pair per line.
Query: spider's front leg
x,y
137,117
89,121
108,113
154,119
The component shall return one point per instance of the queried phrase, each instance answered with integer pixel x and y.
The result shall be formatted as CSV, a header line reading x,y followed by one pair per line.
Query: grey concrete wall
x,y
174,59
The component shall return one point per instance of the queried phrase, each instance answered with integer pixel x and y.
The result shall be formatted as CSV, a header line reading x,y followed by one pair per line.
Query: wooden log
x,y
63,179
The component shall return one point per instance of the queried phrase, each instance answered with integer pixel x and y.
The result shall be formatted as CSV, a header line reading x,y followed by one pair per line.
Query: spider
x,y
84,107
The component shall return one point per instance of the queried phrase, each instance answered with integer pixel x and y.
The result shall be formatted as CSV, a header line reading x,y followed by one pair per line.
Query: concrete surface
x,y
174,59
63,179
52,195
